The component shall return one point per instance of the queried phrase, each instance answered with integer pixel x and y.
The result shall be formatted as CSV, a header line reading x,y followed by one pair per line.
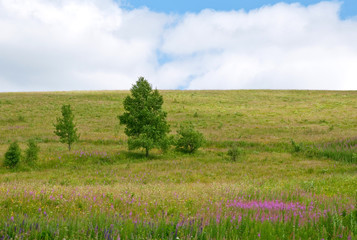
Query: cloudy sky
x,y
48,45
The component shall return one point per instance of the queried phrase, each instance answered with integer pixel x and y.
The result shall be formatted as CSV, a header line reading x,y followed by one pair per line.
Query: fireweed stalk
x,y
86,213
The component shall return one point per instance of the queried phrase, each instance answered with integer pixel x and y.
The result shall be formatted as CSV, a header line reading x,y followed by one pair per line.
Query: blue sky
x,y
348,9
107,44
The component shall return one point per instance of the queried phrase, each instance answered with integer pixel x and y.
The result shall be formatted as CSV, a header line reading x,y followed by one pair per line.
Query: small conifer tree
x,y
32,152
66,128
13,155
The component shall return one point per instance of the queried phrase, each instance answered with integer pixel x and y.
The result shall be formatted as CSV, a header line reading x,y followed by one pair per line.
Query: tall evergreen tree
x,y
145,121
66,128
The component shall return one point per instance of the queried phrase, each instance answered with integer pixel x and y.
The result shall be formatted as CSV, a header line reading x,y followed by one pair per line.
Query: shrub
x,y
32,152
296,146
235,152
13,155
188,139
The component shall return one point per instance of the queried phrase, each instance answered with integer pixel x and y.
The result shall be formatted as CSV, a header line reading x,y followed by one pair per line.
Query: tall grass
x,y
344,150
104,227
84,214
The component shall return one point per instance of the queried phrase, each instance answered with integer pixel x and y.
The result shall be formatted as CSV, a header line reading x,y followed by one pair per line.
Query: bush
x,y
32,152
188,139
297,147
13,155
235,152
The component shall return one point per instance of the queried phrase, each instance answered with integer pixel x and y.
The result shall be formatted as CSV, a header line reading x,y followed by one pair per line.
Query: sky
x,y
56,45
347,10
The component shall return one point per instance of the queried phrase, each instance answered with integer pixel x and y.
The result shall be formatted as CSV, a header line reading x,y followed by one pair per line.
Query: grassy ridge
x,y
256,116
180,190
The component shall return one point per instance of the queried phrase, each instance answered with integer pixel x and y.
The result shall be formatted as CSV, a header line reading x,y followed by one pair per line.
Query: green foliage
x,y
343,150
188,139
32,152
144,118
235,152
21,118
354,157
66,128
102,226
340,150
296,146
13,155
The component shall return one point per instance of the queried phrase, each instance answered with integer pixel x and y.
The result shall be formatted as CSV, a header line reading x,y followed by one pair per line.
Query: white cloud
x,y
280,46
76,44
93,44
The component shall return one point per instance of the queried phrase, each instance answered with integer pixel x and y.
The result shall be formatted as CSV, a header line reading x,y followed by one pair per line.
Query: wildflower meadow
x,y
295,176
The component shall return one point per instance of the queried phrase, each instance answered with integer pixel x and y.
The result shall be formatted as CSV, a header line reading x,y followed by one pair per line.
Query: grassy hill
x,y
101,190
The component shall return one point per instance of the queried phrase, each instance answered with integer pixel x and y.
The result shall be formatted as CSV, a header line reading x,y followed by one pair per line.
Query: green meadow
x,y
295,177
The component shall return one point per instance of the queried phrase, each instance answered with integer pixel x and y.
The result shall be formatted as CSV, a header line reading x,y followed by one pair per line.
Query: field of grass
x,y
296,178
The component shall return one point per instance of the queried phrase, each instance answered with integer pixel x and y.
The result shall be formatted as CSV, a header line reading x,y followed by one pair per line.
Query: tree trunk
x,y
69,147
147,152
